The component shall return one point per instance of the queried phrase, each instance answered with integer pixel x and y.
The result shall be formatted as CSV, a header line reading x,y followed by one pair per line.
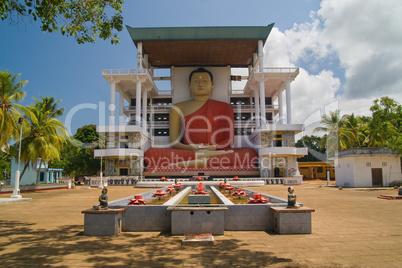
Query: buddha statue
x,y
103,200
292,198
201,132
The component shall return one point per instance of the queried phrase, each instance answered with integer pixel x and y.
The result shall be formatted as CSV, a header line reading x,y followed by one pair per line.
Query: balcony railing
x,y
149,108
235,107
278,70
123,71
252,107
250,122
158,123
237,91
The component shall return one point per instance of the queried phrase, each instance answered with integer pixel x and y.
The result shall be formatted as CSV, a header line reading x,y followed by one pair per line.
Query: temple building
x,y
260,97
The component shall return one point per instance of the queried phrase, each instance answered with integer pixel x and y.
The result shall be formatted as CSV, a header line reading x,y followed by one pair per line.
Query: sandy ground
x,y
351,228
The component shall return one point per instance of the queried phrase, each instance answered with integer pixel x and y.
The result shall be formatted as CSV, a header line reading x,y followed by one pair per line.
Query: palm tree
x,y
46,135
337,136
378,132
10,93
355,126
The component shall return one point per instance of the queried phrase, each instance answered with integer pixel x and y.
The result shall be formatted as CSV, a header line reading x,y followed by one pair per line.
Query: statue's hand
x,y
207,147
196,147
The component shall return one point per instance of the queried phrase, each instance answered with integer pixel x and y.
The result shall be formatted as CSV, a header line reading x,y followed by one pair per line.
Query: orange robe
x,y
212,124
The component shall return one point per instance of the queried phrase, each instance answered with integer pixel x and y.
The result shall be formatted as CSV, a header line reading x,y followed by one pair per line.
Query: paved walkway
x,y
351,228
6,200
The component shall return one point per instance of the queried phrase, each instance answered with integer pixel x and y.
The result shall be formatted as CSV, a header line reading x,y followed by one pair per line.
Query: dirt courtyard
x,y
350,228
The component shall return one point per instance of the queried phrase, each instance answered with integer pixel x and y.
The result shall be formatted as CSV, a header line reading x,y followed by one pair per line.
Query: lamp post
x,y
16,191
101,169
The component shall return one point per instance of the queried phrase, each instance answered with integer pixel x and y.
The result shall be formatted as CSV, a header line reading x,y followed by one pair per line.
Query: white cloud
x,y
367,37
277,50
363,36
312,92
309,92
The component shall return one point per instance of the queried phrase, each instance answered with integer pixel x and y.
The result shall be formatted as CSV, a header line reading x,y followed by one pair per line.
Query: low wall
x,y
135,180
158,184
245,217
33,188
145,218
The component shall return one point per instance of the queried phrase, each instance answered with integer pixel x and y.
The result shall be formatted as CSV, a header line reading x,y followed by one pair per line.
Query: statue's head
x,y
201,82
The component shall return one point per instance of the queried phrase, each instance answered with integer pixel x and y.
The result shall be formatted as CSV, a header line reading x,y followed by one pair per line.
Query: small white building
x,y
367,167
47,175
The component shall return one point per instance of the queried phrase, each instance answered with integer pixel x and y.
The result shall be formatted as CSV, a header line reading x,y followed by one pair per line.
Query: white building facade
x,y
46,175
367,167
141,99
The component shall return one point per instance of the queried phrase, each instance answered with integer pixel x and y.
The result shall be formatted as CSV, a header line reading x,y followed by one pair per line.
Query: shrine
x,y
201,102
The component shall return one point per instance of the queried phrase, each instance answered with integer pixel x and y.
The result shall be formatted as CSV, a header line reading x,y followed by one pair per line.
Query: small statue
x,y
292,198
103,205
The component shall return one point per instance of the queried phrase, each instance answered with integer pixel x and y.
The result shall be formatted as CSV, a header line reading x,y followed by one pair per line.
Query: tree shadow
x,y
24,244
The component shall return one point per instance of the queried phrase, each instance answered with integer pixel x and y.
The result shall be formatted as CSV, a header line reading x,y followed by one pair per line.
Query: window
x,y
161,132
242,116
277,143
320,169
269,116
161,117
124,137
162,102
242,131
368,164
124,145
240,101
384,164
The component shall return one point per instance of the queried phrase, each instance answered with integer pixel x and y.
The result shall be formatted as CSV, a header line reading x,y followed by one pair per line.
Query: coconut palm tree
x,y
355,126
10,93
46,134
337,136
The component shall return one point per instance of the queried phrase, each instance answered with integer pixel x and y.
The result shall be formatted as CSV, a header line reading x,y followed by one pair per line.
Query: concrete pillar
x,y
144,110
280,106
288,103
257,108
112,106
139,84
121,106
262,102
262,85
138,104
139,55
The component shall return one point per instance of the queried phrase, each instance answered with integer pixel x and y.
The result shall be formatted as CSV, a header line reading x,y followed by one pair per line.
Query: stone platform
x,y
199,199
102,222
198,239
391,197
197,220
292,220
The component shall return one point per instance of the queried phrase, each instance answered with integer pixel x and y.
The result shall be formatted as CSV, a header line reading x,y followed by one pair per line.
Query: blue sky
x,y
318,36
